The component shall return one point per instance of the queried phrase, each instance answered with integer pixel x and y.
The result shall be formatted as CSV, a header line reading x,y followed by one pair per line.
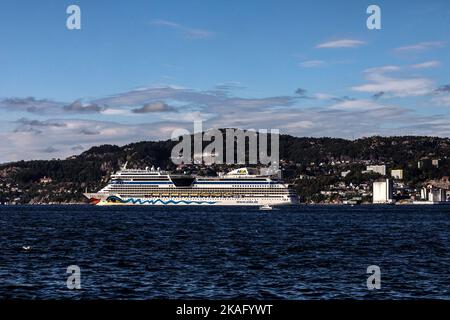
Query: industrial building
x,y
381,169
397,174
383,192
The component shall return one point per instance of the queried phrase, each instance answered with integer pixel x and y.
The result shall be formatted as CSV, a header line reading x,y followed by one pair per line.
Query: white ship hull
x,y
101,200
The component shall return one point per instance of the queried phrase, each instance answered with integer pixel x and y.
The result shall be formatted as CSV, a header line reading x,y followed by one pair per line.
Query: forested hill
x,y
95,163
323,159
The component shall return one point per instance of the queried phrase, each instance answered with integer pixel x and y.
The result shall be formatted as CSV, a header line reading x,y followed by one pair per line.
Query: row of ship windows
x,y
199,180
198,185
210,196
202,190
199,190
136,194
139,179
195,187
167,179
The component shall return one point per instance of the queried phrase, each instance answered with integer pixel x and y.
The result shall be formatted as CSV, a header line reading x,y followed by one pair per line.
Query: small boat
x,y
265,207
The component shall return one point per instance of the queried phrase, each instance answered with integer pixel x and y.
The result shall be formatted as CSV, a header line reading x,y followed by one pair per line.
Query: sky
x,y
138,70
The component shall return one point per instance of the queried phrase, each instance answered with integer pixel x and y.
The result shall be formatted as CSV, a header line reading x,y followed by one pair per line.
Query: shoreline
x,y
280,206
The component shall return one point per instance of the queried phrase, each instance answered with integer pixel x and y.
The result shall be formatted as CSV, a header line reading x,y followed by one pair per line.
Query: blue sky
x,y
138,70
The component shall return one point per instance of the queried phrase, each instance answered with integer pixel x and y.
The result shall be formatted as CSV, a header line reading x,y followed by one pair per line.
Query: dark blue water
x,y
305,252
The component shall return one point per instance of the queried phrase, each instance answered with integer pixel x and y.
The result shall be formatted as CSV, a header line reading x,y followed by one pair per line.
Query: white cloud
x,y
211,100
345,119
396,86
336,116
229,86
152,107
311,63
421,46
32,105
187,31
426,64
442,100
323,96
370,108
64,140
115,112
399,87
383,69
356,105
343,43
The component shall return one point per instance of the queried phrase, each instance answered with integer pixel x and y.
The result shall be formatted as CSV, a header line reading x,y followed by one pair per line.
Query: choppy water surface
x,y
304,252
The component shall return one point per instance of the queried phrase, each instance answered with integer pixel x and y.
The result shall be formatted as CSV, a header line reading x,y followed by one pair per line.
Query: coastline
x,y
419,204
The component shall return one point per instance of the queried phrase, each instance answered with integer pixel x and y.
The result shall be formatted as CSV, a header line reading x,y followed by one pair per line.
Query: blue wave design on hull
x,y
139,201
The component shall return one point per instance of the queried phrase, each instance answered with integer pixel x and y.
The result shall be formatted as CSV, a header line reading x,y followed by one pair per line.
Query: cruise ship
x,y
240,187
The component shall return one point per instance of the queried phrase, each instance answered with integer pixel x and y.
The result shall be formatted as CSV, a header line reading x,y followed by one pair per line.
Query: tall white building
x,y
383,191
381,169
